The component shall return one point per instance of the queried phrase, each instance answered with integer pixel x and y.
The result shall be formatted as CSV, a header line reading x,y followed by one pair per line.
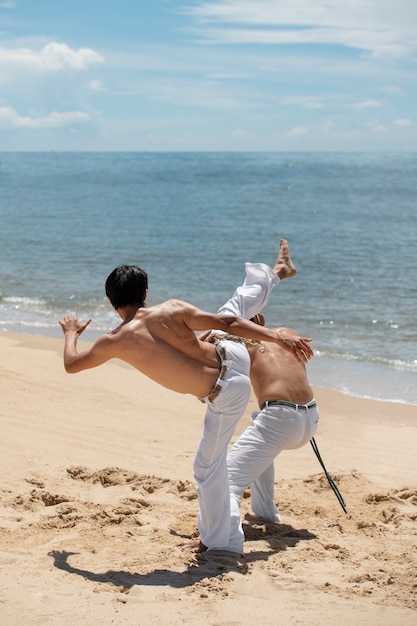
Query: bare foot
x,y
284,267
200,547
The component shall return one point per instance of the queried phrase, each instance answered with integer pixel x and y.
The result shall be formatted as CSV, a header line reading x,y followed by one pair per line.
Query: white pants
x,y
249,299
251,459
223,414
210,467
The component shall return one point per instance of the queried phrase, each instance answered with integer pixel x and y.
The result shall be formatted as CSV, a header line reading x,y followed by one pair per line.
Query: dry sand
x,y
97,494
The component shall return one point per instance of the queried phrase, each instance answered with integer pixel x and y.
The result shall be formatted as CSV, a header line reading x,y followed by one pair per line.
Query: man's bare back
x,y
276,374
157,343
160,342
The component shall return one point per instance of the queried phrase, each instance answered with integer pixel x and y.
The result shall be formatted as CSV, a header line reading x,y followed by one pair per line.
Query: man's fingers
x,y
303,350
70,323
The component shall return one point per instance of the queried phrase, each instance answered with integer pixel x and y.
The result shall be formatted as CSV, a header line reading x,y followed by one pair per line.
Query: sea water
x,y
191,220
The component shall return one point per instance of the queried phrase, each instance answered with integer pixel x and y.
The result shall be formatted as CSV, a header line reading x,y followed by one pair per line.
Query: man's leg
x,y
284,429
250,298
262,500
251,460
210,466
252,456
262,495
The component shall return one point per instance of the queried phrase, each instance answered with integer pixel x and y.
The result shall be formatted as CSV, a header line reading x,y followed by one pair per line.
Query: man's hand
x,y
297,345
70,324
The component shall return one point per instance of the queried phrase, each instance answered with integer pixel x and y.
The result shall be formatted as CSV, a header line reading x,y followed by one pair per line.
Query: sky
x,y
208,75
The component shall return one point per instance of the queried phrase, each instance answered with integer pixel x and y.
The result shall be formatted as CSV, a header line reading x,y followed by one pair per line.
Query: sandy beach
x,y
97,495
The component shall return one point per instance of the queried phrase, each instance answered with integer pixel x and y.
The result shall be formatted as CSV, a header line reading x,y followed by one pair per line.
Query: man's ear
x,y
144,297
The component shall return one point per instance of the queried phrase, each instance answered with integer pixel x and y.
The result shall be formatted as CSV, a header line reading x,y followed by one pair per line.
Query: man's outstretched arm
x,y
75,361
234,325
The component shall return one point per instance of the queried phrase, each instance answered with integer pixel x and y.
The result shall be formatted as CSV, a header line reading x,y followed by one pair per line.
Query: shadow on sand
x,y
279,536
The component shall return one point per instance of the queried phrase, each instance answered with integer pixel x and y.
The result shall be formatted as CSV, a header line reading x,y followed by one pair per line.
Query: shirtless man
x,y
160,342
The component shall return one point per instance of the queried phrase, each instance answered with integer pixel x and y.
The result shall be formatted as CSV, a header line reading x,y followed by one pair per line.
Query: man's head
x,y
127,285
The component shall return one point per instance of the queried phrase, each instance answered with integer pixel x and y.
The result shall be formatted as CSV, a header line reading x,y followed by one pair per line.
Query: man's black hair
x,y
127,285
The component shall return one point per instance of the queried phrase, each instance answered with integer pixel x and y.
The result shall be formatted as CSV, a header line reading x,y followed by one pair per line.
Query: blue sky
x,y
168,75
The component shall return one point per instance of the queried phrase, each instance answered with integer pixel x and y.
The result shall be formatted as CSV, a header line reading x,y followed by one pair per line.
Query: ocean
x,y
192,220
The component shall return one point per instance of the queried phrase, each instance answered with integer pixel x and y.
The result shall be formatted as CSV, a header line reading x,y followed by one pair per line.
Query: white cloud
x,y
201,94
306,12
298,131
367,104
97,85
7,4
393,90
239,133
329,102
51,58
9,118
381,27
309,102
377,127
225,76
397,124
402,123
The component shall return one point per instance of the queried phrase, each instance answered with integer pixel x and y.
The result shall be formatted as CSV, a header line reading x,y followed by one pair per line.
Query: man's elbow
x,y
229,321
71,367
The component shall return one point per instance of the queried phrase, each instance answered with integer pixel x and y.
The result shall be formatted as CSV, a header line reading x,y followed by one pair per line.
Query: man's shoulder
x,y
172,304
178,302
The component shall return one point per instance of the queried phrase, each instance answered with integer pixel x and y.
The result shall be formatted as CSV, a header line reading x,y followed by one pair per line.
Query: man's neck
x,y
127,313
